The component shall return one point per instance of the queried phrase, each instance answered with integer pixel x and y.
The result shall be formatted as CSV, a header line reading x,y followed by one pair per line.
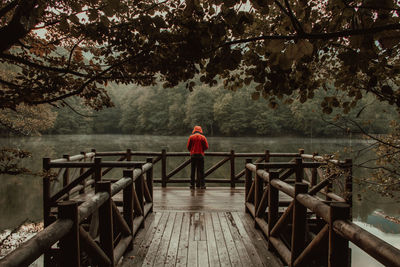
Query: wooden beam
x,y
321,237
216,166
93,249
179,168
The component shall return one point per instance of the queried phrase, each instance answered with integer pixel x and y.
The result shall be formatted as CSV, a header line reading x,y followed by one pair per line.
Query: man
x,y
196,144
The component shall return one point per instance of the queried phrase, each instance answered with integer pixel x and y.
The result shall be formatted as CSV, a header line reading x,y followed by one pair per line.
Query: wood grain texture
x,y
211,234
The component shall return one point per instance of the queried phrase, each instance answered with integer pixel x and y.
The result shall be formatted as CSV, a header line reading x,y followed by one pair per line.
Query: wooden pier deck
x,y
94,220
199,228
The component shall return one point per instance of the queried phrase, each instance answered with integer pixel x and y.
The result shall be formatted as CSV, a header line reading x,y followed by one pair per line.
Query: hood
x,y
197,129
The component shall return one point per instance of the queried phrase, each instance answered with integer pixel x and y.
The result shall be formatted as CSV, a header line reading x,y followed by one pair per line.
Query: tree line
x,y
159,111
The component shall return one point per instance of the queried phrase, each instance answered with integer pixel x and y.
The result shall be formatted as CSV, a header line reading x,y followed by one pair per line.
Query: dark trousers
x,y
197,166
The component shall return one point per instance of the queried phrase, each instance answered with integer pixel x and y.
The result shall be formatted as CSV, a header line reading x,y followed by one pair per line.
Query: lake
x,y
21,196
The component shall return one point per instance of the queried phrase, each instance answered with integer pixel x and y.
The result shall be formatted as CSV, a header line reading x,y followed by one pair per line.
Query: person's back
x,y
197,144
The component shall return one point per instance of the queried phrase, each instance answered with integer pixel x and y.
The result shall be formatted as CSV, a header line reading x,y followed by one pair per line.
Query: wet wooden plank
x,y
220,241
259,241
150,257
211,243
202,254
250,248
181,259
230,244
192,253
197,225
237,238
165,241
203,235
174,243
142,242
216,232
191,227
199,200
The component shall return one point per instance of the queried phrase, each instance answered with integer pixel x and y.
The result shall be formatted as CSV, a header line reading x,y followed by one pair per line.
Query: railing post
x,y
97,169
349,182
247,181
258,191
163,168
47,220
328,189
69,244
301,151
66,176
139,188
46,193
92,159
314,173
232,168
299,170
338,254
128,203
149,179
273,205
267,157
106,221
82,170
299,223
128,155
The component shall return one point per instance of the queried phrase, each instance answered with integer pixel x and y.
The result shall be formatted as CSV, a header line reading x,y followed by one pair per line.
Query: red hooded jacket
x,y
197,142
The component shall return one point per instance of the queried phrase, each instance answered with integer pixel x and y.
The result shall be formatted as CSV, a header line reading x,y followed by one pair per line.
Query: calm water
x,y
21,197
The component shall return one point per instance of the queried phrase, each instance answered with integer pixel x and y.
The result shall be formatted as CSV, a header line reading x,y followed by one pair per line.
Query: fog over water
x,y
21,196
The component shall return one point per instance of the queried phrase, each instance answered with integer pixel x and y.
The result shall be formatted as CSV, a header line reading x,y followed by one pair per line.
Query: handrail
x,y
334,215
372,245
30,250
73,162
219,154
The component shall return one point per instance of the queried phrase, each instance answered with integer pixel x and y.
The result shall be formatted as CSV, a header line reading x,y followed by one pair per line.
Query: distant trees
x,y
155,110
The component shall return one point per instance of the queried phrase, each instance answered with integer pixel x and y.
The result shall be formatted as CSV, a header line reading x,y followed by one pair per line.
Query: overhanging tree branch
x,y
318,36
22,22
7,8
42,67
85,84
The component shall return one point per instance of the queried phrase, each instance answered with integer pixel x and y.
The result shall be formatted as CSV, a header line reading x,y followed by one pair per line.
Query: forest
x,y
221,112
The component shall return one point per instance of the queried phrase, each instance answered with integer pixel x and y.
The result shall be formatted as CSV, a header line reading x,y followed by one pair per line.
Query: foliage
x,y
28,120
289,48
155,110
385,177
10,159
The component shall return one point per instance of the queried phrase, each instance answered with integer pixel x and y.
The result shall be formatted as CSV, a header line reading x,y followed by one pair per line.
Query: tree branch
x,y
318,36
83,86
22,22
7,8
369,7
42,67
295,21
77,112
9,84
373,137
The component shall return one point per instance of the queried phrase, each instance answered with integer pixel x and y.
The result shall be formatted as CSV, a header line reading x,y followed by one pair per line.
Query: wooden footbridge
x,y
293,210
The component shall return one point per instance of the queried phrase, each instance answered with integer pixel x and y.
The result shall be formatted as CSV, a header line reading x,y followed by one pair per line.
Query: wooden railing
x,y
166,176
90,222
300,225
